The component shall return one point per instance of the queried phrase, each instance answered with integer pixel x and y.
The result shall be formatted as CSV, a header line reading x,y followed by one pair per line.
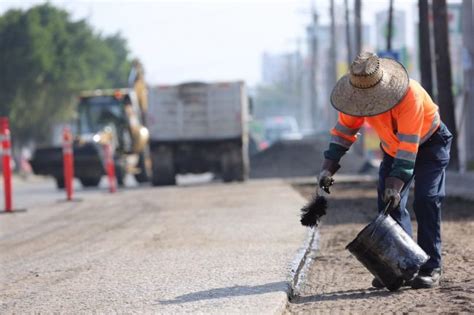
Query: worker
x,y
414,140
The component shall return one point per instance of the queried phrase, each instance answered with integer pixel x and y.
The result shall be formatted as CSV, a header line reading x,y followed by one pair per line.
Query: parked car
x,y
281,128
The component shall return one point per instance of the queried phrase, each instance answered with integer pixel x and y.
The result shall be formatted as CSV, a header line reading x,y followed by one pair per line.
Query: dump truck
x,y
198,127
108,116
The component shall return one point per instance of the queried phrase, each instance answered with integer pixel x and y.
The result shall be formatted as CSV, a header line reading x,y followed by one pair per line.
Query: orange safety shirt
x,y
401,129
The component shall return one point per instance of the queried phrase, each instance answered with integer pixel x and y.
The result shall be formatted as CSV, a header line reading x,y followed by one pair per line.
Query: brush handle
x,y
320,191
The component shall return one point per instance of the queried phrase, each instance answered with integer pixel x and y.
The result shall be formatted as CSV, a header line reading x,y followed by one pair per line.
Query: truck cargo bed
x,y
197,111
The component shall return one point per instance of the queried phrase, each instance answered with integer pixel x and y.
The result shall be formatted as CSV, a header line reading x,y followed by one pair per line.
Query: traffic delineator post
x,y
68,163
110,167
6,163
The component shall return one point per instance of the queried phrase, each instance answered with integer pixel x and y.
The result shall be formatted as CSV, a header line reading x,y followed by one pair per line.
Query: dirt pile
x,y
293,158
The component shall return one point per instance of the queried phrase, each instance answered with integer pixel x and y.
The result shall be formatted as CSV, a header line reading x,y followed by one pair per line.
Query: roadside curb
x,y
302,262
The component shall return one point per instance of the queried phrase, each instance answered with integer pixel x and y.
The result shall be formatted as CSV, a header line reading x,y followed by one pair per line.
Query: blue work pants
x,y
431,162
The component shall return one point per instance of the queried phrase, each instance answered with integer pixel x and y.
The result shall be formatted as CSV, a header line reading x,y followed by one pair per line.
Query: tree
x,y
45,58
443,74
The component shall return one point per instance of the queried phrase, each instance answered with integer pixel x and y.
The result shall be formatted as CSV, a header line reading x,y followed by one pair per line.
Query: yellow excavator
x,y
113,116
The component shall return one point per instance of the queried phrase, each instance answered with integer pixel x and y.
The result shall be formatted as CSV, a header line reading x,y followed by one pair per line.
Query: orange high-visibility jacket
x,y
401,129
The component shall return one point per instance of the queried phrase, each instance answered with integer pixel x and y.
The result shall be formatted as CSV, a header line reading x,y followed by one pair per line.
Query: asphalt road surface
x,y
205,248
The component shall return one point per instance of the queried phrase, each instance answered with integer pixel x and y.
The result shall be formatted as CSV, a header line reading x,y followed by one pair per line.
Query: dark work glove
x,y
393,186
328,169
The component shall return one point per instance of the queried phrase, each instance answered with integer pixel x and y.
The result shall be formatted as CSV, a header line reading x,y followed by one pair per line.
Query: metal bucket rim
x,y
365,230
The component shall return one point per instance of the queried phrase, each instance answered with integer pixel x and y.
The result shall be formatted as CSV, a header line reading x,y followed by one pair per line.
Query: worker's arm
x,y
343,135
409,122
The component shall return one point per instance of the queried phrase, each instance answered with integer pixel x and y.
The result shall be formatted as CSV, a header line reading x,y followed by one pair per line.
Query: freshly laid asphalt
x,y
209,248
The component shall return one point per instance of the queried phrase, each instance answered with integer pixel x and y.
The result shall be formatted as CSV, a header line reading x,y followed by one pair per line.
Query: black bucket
x,y
388,252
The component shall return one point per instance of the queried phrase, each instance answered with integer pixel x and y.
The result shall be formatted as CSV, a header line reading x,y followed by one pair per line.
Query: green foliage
x,y
45,59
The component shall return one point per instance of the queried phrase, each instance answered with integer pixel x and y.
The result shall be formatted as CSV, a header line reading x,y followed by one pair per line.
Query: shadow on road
x,y
343,295
228,292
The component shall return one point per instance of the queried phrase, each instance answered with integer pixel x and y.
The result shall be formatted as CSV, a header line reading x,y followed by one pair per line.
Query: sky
x,y
206,40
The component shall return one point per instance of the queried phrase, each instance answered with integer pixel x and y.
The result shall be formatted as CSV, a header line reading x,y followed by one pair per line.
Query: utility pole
x,y
443,74
468,66
359,146
358,26
348,33
332,76
424,45
390,26
314,58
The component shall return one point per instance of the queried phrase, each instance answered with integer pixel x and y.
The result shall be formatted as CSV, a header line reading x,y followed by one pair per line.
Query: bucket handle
x,y
403,193
388,208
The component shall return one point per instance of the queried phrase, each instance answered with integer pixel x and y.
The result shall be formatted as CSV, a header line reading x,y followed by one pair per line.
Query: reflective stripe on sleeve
x,y
433,128
405,155
341,141
347,131
408,138
385,145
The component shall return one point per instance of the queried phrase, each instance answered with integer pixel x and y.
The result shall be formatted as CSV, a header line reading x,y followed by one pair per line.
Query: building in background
x,y
286,78
280,68
325,111
279,93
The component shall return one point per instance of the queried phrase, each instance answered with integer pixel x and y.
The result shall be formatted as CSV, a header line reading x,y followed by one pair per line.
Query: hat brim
x,y
375,100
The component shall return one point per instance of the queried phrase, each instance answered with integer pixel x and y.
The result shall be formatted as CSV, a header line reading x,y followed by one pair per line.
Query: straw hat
x,y
373,86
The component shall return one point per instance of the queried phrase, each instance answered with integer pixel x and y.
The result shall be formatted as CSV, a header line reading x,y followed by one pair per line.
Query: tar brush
x,y
314,210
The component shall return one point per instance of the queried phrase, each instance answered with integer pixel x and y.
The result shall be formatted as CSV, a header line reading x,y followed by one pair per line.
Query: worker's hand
x,y
393,186
325,180
328,169
392,195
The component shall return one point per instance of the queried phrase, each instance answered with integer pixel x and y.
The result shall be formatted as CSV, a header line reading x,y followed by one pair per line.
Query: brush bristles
x,y
313,211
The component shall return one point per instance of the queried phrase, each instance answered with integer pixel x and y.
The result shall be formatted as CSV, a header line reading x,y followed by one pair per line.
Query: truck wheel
x,y
241,166
233,165
144,167
227,167
163,167
60,183
90,181
119,174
